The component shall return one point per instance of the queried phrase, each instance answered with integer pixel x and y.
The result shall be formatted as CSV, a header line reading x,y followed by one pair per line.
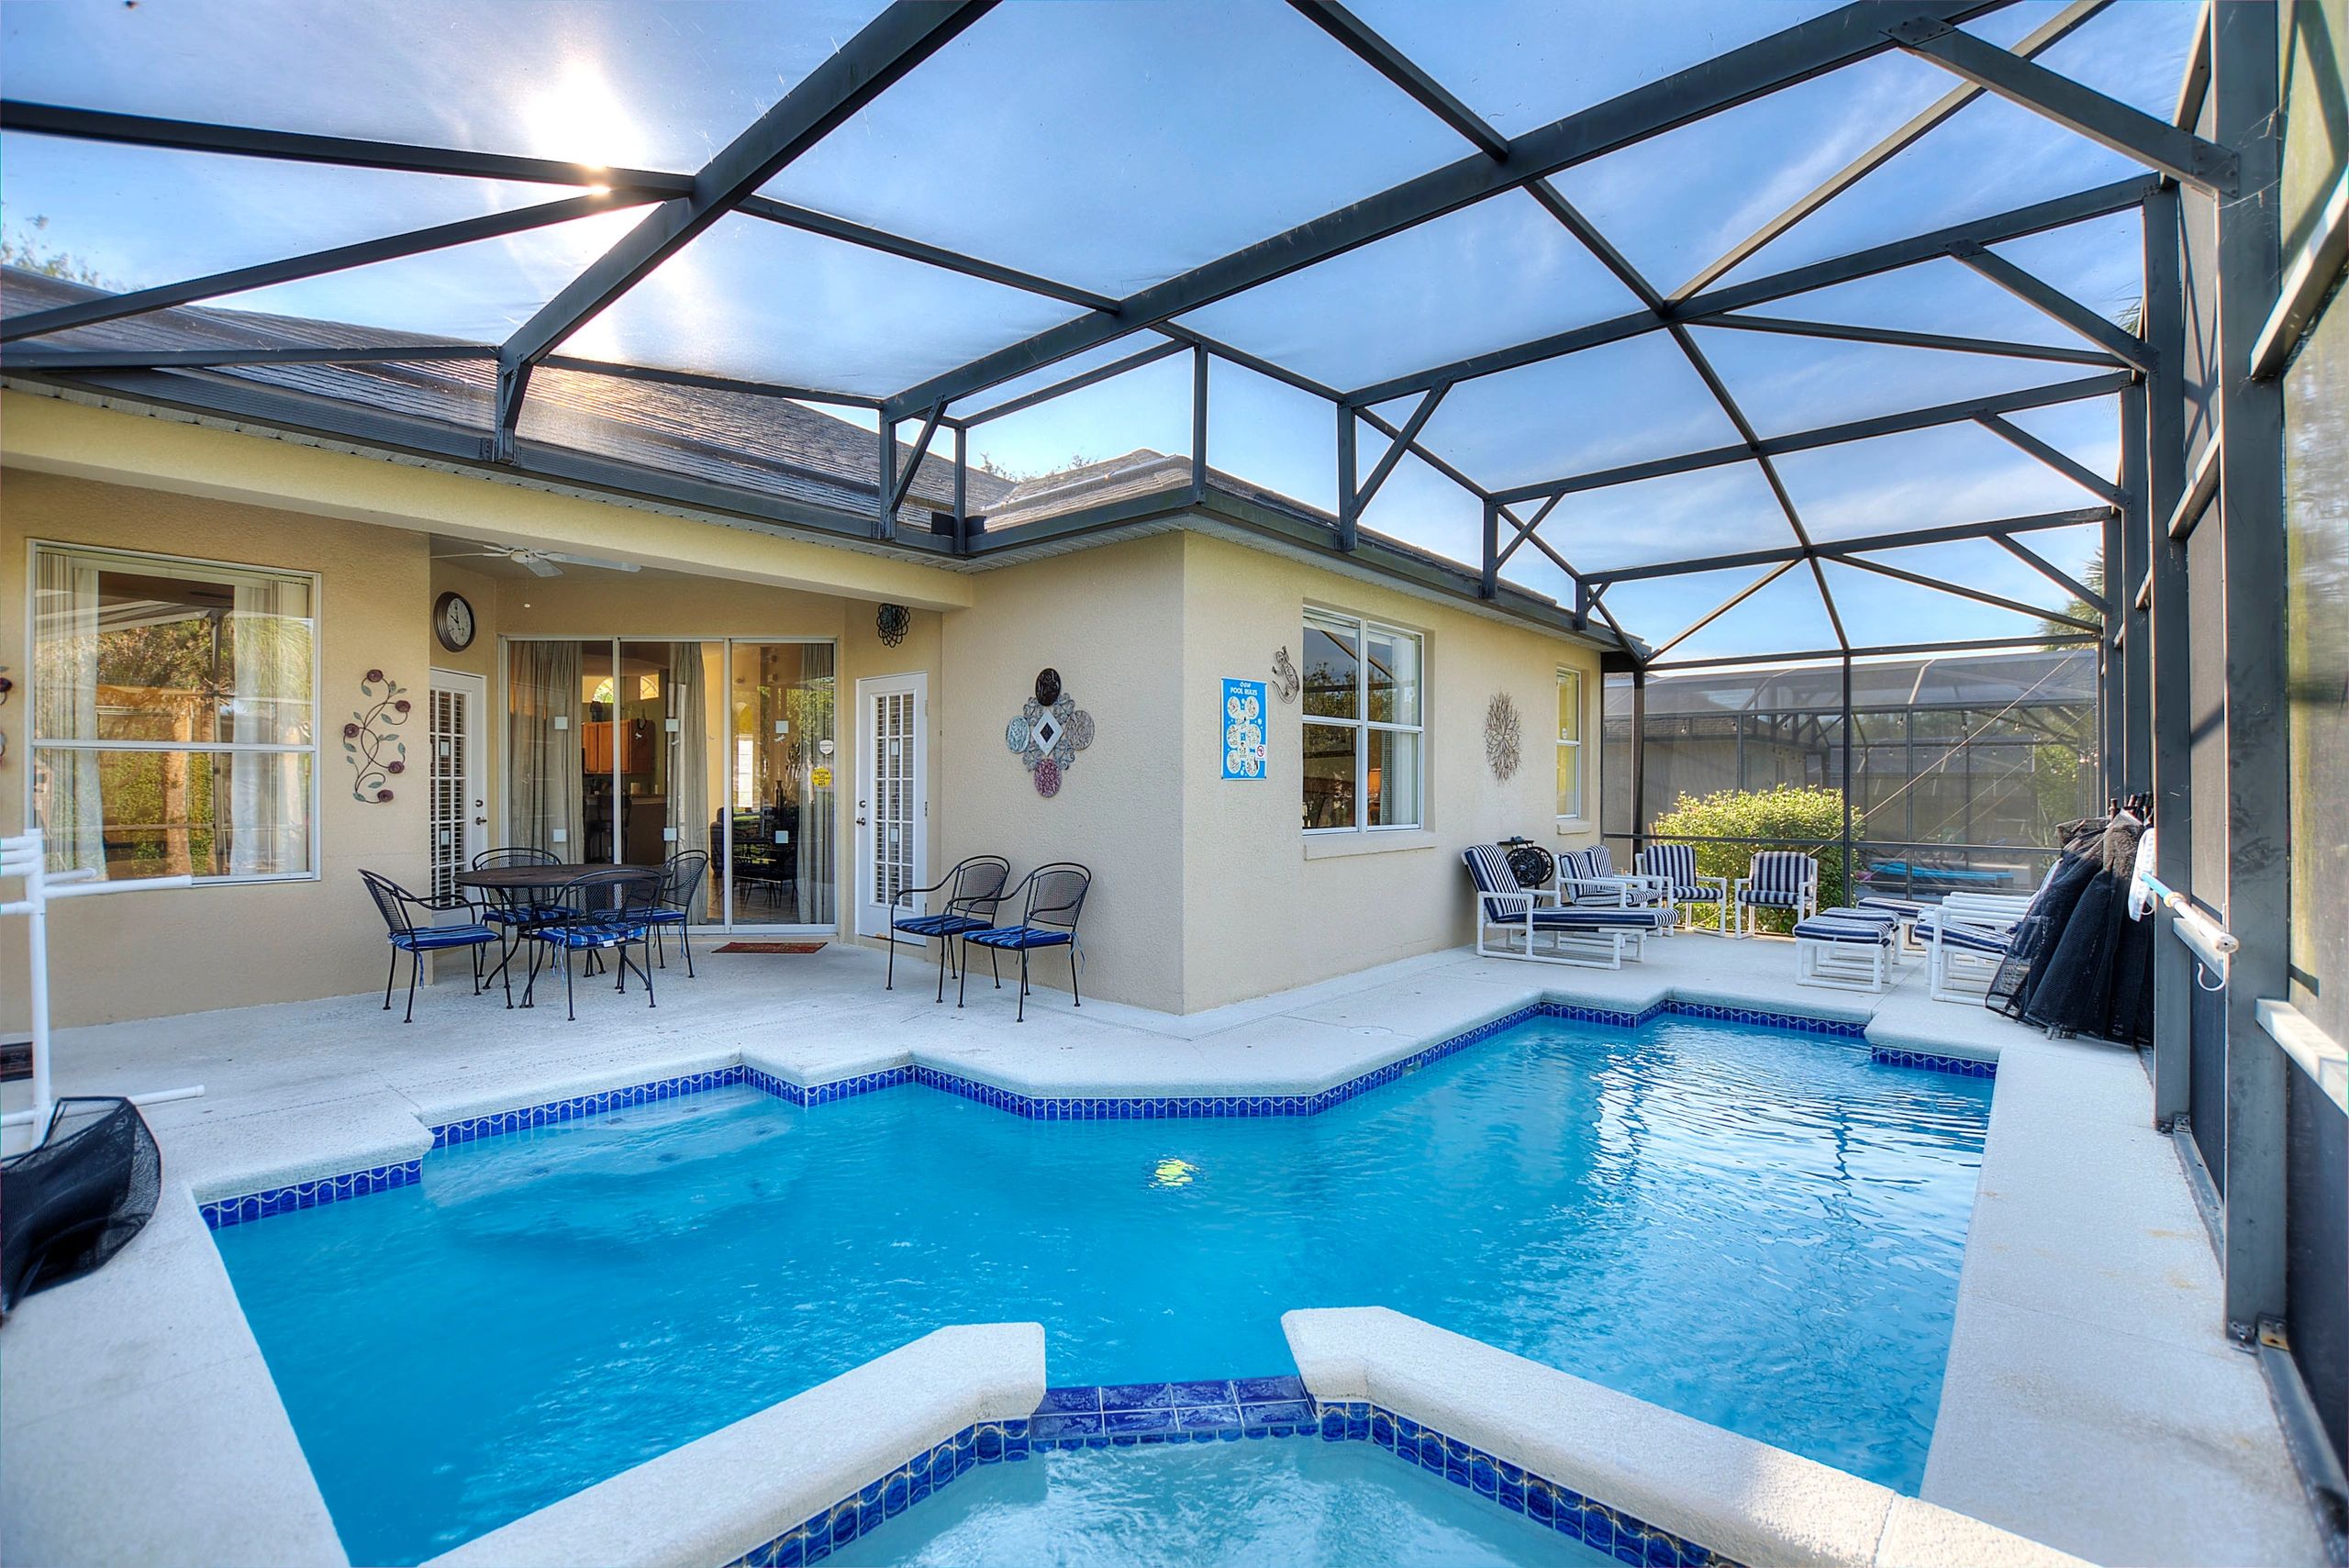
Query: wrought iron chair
x,y
396,904
681,882
1052,898
974,892
603,911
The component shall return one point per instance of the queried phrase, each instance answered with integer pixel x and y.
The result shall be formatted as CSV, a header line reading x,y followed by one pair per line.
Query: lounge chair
x,y
1778,879
1673,867
1845,949
1603,932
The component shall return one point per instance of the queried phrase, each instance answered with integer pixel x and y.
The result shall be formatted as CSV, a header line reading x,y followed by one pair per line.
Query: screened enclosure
x,y
1791,351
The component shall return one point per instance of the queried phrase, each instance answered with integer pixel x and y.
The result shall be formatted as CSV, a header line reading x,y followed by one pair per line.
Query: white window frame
x,y
1580,816
1364,725
163,564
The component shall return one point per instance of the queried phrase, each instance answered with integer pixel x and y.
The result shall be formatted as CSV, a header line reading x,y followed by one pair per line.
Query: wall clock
x,y
453,622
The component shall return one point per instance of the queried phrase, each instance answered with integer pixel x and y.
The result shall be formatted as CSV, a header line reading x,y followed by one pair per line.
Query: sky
x,y
1112,143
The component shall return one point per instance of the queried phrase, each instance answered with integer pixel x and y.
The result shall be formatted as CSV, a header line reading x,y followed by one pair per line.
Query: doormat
x,y
771,947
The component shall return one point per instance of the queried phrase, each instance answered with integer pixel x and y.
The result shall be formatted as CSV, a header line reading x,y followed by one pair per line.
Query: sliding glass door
x,y
635,752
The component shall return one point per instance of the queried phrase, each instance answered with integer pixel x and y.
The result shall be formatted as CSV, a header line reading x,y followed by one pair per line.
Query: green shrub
x,y
1809,820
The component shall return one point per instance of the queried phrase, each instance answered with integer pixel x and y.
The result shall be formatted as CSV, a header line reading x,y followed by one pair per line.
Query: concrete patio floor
x,y
2090,1401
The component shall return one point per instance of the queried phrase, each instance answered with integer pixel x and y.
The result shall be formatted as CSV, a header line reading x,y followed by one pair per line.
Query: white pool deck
x,y
2091,1401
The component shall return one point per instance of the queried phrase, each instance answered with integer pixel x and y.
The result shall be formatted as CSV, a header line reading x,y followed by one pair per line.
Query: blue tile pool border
x,y
223,1212
1134,1416
270,1201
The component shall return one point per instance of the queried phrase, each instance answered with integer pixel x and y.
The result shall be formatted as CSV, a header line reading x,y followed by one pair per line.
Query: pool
x,y
1217,1506
1758,1226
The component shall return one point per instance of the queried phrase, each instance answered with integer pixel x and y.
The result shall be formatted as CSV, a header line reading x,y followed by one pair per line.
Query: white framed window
x,y
174,717
1364,724
1570,747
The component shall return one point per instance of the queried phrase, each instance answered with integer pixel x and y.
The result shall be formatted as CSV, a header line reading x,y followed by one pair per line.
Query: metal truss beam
x,y
1942,586
2000,347
1934,114
905,482
625,371
841,229
1841,37
883,50
2062,463
1115,367
49,361
2052,572
2015,224
1947,533
2132,133
1883,650
1403,443
2057,305
350,152
1399,67
340,258
1710,617
1832,435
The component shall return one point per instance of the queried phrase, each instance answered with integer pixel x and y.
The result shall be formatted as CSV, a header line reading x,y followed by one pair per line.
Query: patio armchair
x,y
1052,898
1605,932
399,908
673,905
1776,879
601,912
974,892
1674,866
1589,877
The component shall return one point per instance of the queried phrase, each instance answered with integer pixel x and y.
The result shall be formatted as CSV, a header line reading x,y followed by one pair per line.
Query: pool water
x,y
1279,1500
1757,1226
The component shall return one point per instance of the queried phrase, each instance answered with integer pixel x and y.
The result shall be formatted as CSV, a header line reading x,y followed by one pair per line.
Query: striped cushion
x,y
1860,917
1016,937
1779,876
1696,892
1677,863
1597,914
1601,861
939,925
1907,906
592,934
1864,933
424,939
1973,938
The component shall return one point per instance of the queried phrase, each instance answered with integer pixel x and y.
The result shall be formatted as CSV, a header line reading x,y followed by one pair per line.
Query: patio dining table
x,y
512,885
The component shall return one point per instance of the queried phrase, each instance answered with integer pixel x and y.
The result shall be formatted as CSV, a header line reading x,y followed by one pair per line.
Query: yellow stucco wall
x,y
135,955
1266,907
1206,892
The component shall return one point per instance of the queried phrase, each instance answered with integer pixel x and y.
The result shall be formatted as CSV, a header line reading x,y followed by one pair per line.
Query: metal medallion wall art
x,y
372,742
1049,732
1285,680
892,621
1503,737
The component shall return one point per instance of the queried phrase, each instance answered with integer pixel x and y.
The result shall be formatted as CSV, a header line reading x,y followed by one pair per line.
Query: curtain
x,y
689,766
812,887
267,823
66,708
543,809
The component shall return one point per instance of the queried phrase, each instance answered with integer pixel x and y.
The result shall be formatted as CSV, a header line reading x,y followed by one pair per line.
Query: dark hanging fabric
x,y
2092,972
2036,936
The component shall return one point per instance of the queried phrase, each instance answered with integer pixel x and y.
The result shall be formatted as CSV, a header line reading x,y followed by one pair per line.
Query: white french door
x,y
891,810
460,810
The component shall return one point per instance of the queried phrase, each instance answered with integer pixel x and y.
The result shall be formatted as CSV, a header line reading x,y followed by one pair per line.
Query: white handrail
x,y
26,856
2211,942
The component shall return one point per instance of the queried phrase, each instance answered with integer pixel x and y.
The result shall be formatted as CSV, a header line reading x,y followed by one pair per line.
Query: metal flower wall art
x,y
1503,737
1049,732
372,742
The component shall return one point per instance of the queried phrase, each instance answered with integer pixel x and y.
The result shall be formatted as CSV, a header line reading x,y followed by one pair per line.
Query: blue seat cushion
x,y
667,917
524,915
1696,894
1015,937
1893,905
1594,916
1860,917
1969,938
939,925
427,938
1771,899
1862,932
592,934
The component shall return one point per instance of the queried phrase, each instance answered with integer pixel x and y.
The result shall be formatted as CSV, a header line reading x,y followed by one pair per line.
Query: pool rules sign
x,y
1243,730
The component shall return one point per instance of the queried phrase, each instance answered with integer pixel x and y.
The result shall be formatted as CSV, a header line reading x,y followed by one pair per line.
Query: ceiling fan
x,y
539,562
